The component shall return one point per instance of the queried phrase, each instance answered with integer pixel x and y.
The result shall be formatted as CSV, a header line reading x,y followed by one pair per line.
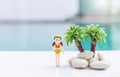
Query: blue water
x,y
30,37
39,36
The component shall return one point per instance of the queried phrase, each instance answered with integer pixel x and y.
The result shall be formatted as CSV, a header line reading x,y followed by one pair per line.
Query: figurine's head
x,y
57,39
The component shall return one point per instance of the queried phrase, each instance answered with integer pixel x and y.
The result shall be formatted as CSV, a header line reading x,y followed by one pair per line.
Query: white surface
x,y
42,64
37,9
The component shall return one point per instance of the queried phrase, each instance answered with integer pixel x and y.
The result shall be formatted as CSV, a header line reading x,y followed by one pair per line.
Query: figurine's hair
x,y
54,43
58,36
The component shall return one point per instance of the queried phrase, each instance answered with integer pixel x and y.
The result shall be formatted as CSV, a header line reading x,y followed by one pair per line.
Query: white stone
x,y
93,59
79,63
71,59
85,55
100,64
101,57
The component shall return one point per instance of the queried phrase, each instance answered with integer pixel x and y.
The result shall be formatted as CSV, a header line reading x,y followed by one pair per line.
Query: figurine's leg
x,y
58,59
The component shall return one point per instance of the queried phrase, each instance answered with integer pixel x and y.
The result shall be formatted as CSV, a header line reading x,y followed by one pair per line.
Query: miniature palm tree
x,y
74,34
96,34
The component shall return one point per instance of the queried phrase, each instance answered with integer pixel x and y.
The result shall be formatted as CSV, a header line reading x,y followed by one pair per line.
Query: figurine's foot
x,y
57,66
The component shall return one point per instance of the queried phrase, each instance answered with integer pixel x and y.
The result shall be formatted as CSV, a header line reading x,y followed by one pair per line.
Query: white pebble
x,y
71,59
85,55
100,64
79,63
93,59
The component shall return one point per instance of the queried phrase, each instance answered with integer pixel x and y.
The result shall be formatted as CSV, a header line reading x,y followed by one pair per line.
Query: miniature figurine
x,y
57,48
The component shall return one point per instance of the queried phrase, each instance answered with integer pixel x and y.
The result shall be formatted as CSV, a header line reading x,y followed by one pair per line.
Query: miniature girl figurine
x,y
57,48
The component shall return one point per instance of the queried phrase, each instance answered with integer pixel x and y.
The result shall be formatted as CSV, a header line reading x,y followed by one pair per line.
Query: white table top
x,y
42,64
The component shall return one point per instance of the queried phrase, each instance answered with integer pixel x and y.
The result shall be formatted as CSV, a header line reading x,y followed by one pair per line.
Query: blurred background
x,y
29,25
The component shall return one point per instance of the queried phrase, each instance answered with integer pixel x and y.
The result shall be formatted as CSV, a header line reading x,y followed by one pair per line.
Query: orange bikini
x,y
57,48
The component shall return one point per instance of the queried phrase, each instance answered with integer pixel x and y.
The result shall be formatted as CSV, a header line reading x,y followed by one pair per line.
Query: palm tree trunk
x,y
79,46
93,45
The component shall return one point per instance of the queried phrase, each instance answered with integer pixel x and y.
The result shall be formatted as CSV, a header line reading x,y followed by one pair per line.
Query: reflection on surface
x,y
57,72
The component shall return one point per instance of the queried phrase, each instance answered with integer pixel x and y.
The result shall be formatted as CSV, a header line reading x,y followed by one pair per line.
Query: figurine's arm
x,y
53,47
62,49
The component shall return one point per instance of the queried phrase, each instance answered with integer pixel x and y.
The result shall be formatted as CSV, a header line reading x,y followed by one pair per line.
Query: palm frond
x,y
94,31
73,33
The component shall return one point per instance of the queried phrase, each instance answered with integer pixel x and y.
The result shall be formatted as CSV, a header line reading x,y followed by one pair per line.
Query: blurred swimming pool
x,y
39,37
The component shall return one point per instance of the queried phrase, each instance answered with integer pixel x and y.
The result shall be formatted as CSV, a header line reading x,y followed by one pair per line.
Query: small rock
x,y
79,63
85,55
99,65
93,59
101,57
71,59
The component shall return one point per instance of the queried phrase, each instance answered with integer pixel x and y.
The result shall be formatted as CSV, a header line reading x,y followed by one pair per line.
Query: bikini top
x,y
57,45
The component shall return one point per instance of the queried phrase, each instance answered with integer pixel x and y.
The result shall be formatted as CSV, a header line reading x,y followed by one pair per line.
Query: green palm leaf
x,y
94,31
74,33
